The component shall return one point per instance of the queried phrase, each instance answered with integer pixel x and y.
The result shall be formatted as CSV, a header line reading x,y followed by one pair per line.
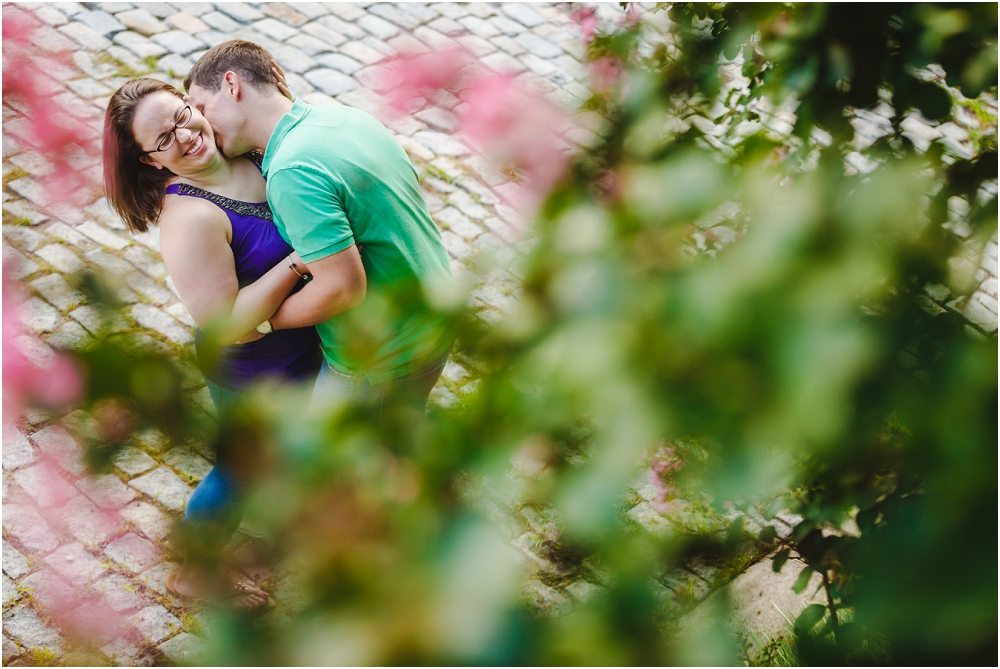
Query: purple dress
x,y
257,247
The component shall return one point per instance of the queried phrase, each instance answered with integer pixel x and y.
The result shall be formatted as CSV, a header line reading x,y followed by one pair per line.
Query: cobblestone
x,y
106,491
188,463
285,13
220,22
538,45
48,590
133,461
61,231
15,565
119,593
55,441
51,16
101,22
88,525
18,266
17,452
24,626
155,577
163,486
184,22
276,30
102,235
61,258
178,42
57,291
74,565
148,520
85,36
27,238
25,524
141,21
156,623
523,14
331,82
292,59
239,11
149,289
340,62
184,649
133,553
45,486
398,16
156,320
70,336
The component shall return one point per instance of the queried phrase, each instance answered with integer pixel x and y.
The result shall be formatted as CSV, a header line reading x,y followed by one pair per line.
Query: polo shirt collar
x,y
285,123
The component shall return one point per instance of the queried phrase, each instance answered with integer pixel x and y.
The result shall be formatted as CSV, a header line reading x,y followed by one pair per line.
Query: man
x,y
345,196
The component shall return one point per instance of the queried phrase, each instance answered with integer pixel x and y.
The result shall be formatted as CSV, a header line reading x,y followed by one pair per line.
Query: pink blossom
x,y
54,381
56,133
515,127
512,125
632,15
586,18
411,78
605,74
661,467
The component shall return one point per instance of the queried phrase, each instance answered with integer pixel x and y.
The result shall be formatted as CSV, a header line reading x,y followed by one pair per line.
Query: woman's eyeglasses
x,y
180,121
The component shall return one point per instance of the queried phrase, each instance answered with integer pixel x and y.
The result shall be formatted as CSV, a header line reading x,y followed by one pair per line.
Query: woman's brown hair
x,y
134,189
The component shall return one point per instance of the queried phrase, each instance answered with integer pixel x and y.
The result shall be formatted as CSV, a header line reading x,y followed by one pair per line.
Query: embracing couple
x,y
289,230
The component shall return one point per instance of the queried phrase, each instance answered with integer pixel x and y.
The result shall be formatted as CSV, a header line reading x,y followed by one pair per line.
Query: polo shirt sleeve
x,y
309,206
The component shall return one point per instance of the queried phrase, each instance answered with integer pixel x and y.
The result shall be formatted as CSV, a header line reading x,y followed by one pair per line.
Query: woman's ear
x,y
149,161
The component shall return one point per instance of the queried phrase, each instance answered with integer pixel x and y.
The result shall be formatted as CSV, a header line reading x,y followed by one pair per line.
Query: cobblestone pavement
x,y
329,51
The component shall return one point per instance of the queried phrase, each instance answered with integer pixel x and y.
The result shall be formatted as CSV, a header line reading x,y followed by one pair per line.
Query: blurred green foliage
x,y
704,275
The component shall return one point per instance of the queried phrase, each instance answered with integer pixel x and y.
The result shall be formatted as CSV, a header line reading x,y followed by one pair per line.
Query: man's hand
x,y
338,283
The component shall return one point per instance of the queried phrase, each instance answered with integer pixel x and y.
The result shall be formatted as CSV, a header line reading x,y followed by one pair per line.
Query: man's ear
x,y
149,161
234,86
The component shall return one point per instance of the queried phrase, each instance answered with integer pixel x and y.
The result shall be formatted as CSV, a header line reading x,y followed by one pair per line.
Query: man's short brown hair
x,y
250,61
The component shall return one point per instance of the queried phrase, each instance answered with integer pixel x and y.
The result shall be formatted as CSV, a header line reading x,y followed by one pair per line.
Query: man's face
x,y
225,116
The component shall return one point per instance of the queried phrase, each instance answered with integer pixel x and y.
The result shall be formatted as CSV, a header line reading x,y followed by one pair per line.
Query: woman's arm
x,y
194,242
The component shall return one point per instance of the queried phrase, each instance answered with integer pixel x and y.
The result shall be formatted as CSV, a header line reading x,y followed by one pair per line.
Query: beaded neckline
x,y
256,209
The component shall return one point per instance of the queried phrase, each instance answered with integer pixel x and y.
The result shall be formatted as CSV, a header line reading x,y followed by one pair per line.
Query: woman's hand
x,y
253,335
279,74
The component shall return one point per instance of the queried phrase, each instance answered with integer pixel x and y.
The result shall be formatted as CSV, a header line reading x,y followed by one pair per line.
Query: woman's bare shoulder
x,y
182,214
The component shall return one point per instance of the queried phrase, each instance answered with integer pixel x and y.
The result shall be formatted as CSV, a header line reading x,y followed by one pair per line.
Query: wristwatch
x,y
265,328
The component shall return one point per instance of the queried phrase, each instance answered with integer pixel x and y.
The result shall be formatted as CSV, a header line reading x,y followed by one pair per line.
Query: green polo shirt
x,y
337,177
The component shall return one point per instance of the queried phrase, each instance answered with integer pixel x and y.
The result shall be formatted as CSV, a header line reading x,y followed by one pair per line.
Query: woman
x,y
228,263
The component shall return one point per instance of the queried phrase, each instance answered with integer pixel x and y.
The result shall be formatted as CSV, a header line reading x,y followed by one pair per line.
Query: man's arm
x,y
338,284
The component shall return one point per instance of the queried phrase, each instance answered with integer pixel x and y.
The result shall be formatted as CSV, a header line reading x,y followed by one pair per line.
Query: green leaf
x,y
807,620
850,637
735,530
932,101
803,580
768,535
780,558
866,518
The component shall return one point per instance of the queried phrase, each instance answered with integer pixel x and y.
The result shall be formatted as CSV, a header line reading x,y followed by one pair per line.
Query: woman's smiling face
x,y
193,146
